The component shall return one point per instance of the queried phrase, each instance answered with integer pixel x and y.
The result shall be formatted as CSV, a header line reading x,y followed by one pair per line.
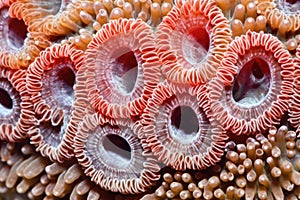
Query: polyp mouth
x,y
14,31
184,123
195,45
5,100
124,70
252,83
117,147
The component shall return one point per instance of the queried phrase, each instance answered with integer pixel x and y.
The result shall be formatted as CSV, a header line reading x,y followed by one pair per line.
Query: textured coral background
x,y
149,99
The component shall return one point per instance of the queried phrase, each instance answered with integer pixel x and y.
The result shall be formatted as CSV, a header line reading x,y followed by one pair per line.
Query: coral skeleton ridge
x,y
150,99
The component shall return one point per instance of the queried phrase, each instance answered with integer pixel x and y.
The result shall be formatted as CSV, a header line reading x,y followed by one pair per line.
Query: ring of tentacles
x,y
253,85
192,41
15,111
121,68
113,156
178,129
50,81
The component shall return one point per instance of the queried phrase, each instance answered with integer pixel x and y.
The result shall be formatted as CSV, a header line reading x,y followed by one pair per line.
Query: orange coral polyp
x,y
121,68
58,19
236,93
18,48
192,40
50,81
177,128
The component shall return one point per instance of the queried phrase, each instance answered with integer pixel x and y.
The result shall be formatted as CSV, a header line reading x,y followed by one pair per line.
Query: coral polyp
x,y
50,81
294,111
18,47
253,85
192,40
121,68
149,99
178,128
120,163
15,111
53,18
262,168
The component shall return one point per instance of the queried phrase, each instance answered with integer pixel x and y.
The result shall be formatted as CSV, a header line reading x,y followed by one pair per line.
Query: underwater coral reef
x,y
150,99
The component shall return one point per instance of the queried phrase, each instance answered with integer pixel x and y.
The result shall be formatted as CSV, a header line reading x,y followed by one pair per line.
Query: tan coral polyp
x,y
257,117
46,107
182,147
14,126
134,176
281,17
117,37
180,23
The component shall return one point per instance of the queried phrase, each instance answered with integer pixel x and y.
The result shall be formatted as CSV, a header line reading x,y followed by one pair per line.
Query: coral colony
x,y
150,99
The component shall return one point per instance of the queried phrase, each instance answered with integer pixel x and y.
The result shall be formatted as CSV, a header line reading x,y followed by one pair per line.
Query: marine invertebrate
x,y
15,111
52,173
189,185
262,168
35,177
294,112
94,14
18,48
282,15
50,81
245,18
5,3
192,40
148,11
81,40
133,171
52,18
245,96
121,68
264,180
178,128
10,160
291,44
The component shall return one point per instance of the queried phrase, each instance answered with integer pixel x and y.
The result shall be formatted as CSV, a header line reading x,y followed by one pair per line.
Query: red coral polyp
x,y
192,40
50,81
253,84
177,128
121,68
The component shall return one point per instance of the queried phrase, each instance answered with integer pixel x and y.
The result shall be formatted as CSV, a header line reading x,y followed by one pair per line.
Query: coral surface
x,y
149,99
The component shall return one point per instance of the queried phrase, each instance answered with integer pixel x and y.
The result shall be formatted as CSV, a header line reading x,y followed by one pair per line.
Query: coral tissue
x,y
149,99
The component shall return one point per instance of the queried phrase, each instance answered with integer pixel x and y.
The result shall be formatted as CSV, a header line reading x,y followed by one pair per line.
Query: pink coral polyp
x,y
253,84
177,128
15,112
50,81
113,156
121,68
